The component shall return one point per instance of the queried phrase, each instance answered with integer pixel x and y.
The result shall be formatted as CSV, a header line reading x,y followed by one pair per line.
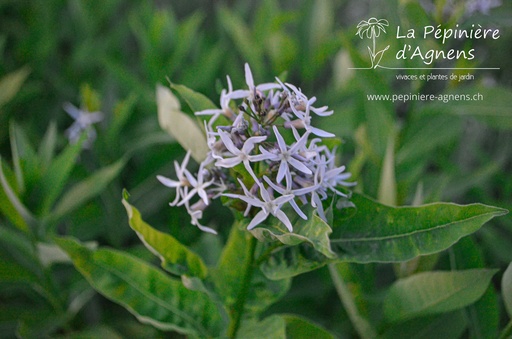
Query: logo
x,y
431,45
372,29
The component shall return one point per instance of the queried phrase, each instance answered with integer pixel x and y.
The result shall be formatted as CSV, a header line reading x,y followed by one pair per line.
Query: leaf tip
x,y
126,195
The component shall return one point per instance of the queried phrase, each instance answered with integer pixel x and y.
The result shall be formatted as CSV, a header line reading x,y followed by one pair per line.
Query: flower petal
x,y
168,182
284,219
258,218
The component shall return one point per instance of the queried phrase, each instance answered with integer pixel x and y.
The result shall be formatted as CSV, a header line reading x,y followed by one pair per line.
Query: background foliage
x,y
109,56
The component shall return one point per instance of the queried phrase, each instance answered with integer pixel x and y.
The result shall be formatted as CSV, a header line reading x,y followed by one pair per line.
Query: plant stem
x,y
361,324
507,332
238,308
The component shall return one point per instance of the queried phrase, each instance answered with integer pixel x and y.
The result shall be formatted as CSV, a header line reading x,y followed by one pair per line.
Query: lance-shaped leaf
x,y
351,298
271,327
314,231
176,257
11,83
147,292
484,315
289,261
372,232
379,233
19,213
86,189
298,327
229,275
199,102
440,326
58,173
506,284
435,292
196,101
179,125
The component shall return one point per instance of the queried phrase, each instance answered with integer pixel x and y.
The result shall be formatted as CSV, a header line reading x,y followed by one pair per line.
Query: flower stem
x,y
238,308
361,324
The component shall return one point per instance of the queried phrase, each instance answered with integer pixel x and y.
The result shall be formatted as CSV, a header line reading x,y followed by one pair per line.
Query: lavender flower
x,y
268,206
277,178
181,185
482,6
83,122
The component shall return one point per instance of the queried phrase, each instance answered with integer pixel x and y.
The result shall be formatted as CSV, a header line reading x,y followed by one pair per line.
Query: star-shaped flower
x,y
305,121
268,206
288,190
83,122
240,155
287,156
225,109
182,183
199,185
195,215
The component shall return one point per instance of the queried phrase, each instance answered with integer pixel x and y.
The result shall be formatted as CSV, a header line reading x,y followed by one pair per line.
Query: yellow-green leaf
x,y
176,257
179,125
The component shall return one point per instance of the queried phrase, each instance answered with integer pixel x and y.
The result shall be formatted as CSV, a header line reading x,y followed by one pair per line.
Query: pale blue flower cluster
x,y
264,151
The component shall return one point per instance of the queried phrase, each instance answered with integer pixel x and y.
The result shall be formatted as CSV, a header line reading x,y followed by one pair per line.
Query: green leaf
x,y
25,161
47,148
19,210
148,293
493,108
387,184
432,129
18,170
265,292
241,35
44,325
176,257
351,299
86,189
195,100
58,173
18,251
300,328
179,125
271,327
6,205
50,254
289,261
11,83
379,233
314,231
90,98
435,292
483,316
444,326
321,23
187,32
98,331
506,284
372,232
229,273
122,112
12,272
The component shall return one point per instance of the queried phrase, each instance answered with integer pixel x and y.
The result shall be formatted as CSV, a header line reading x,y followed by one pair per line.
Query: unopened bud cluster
x,y
265,152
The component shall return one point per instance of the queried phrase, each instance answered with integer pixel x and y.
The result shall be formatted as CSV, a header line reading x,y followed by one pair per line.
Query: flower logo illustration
x,y
372,29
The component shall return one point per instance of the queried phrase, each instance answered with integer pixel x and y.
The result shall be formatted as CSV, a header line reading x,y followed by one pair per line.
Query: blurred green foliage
x,y
110,55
